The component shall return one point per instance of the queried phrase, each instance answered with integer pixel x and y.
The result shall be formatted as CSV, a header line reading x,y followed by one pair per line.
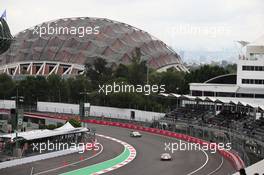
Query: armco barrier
x,y
233,158
236,161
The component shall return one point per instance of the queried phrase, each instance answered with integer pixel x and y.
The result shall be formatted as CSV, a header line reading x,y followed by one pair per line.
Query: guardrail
x,y
235,160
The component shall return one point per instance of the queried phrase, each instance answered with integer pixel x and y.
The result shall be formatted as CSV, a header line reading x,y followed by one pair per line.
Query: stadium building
x,y
63,46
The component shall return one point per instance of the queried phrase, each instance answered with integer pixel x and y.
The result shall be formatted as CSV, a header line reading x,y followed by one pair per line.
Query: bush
x,y
75,123
59,125
42,126
51,126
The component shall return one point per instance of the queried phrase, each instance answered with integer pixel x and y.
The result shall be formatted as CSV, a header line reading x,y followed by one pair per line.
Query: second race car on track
x,y
135,134
165,156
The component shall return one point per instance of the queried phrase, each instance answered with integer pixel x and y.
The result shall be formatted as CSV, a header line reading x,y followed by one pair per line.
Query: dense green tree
x,y
98,72
172,79
231,68
77,86
6,86
75,123
54,86
41,92
137,70
204,73
121,71
27,89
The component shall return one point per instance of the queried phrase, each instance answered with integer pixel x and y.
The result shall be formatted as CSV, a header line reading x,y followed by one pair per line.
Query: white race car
x,y
165,156
135,134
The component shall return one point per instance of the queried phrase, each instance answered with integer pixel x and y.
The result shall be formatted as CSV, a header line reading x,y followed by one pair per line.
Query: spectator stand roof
x,y
249,102
45,133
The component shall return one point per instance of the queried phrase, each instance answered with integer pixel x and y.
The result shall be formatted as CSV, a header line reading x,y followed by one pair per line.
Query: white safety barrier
x,y
7,104
30,159
99,111
255,168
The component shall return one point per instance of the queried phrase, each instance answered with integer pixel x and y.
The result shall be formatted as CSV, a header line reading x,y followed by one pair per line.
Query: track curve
x,y
149,148
147,162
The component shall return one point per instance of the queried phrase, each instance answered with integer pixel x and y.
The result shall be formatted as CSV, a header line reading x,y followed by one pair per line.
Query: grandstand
x,y
231,104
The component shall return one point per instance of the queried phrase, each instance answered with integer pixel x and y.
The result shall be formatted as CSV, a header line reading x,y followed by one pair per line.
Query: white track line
x,y
198,169
71,164
206,155
221,164
131,157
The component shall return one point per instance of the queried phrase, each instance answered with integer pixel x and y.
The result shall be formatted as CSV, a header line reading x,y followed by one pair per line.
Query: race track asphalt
x,y
149,147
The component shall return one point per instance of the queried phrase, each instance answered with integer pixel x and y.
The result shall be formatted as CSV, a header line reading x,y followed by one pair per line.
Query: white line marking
x,y
126,161
31,172
206,155
71,164
222,162
198,169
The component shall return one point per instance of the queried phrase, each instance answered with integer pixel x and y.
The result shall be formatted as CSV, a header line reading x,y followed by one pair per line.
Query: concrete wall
x,y
99,111
7,104
124,113
58,107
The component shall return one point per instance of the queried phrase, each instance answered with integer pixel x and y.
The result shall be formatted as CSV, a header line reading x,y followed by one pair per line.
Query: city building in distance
x,y
247,83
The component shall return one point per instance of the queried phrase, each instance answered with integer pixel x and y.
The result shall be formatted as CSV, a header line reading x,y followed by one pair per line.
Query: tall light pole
x,y
82,106
147,63
147,75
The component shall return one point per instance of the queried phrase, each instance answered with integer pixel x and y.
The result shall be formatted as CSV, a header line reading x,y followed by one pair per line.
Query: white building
x,y
247,83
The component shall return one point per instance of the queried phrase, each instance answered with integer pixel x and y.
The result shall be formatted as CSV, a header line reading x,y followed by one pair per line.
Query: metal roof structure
x,y
250,102
115,42
45,133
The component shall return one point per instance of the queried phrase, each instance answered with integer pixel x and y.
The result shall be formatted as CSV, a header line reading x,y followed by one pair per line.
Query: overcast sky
x,y
187,24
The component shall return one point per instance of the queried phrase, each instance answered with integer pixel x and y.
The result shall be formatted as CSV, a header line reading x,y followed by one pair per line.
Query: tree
x,y
54,86
6,86
29,90
98,72
137,70
75,123
231,68
121,71
41,88
173,81
204,73
76,86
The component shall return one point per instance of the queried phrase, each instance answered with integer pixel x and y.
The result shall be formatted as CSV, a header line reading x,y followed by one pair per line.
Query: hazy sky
x,y
187,24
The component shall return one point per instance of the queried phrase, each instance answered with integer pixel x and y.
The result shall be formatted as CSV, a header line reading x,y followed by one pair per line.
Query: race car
x,y
135,134
165,156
